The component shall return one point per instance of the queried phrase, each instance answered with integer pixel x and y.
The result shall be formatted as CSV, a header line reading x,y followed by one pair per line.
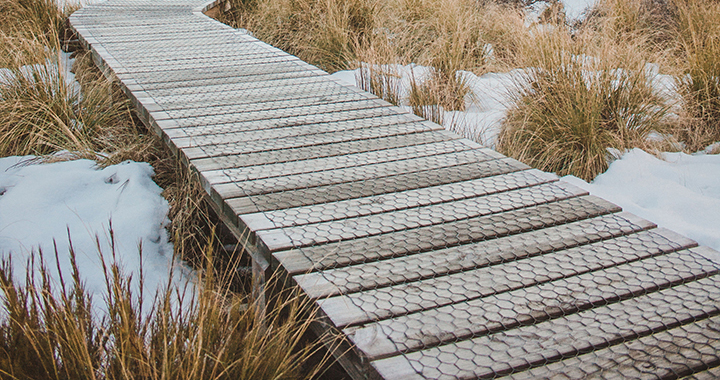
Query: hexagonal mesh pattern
x,y
435,258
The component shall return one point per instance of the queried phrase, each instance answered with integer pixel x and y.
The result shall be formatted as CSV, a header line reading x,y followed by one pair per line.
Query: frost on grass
x,y
41,204
681,192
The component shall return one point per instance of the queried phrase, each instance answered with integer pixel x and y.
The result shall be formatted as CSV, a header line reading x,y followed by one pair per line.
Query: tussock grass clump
x,y
31,18
572,108
698,39
41,112
49,331
651,20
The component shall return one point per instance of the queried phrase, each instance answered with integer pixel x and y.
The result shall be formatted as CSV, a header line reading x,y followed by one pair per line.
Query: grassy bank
x,y
588,86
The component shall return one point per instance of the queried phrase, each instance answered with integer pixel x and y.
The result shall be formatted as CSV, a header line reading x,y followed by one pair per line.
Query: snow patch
x,y
681,192
41,204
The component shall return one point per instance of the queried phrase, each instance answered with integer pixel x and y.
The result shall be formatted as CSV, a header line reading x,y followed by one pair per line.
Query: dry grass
x,y
324,33
49,331
621,20
571,108
698,49
30,18
41,113
449,35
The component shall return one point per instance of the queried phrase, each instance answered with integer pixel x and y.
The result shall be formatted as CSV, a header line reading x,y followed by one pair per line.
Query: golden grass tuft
x,y
30,18
698,50
41,112
50,332
571,108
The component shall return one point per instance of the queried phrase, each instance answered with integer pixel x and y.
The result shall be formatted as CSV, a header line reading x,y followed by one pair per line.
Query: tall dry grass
x,y
697,37
449,35
49,331
42,112
578,100
30,18
323,32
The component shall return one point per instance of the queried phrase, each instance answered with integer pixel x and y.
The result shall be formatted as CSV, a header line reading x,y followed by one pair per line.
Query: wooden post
x,y
260,268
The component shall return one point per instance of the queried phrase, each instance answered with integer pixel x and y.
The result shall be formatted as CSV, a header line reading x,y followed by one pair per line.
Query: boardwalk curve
x,y
435,257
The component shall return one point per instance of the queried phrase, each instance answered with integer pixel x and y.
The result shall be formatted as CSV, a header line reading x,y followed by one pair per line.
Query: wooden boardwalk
x,y
436,257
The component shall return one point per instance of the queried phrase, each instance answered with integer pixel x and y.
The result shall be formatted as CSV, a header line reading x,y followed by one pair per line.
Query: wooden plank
x,y
233,73
582,286
511,351
447,235
338,162
369,187
388,302
290,91
354,174
238,86
709,374
430,264
362,139
314,114
280,106
321,146
346,161
259,58
417,217
395,201
228,136
232,80
669,354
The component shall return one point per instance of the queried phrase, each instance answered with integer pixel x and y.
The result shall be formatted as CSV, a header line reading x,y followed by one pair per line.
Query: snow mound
x,y
41,204
681,192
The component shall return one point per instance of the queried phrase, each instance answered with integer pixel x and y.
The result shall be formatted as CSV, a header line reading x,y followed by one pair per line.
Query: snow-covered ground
x,y
45,206
681,192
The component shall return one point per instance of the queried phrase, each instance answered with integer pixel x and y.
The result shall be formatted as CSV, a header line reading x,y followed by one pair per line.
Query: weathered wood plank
x,y
430,264
299,148
312,113
232,80
579,288
395,201
361,139
227,136
291,91
279,106
358,173
231,74
566,337
417,217
338,162
669,354
447,235
369,187
402,299
710,374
